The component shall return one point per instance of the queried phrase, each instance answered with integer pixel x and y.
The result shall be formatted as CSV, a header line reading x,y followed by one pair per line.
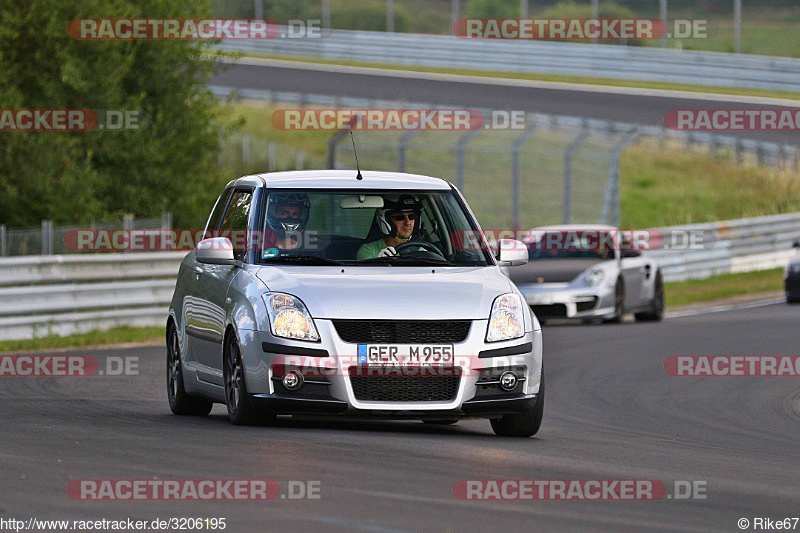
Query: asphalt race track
x,y
612,412
607,103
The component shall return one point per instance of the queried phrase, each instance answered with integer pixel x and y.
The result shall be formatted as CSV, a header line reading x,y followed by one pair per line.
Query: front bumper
x,y
563,300
329,386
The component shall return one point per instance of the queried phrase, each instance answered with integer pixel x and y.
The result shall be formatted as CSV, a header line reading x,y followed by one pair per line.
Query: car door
x,y
212,283
194,306
634,270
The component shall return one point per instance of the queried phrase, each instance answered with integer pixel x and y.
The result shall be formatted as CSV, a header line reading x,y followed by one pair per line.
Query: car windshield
x,y
564,244
315,227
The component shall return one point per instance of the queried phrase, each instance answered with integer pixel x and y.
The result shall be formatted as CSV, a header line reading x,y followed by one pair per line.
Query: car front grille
x,y
382,386
550,311
402,331
585,306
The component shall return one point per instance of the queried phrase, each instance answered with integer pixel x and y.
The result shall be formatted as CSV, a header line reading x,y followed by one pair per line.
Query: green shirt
x,y
370,250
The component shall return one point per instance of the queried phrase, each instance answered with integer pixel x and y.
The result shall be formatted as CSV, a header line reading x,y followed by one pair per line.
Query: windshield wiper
x,y
304,259
395,260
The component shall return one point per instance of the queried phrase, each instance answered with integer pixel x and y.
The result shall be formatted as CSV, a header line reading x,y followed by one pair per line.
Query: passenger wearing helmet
x,y
287,216
396,221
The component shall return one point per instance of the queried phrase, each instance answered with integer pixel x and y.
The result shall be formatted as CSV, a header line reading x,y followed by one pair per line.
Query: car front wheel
x,y
179,402
525,424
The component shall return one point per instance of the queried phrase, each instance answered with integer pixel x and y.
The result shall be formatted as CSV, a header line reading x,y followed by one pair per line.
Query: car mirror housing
x,y
215,251
512,252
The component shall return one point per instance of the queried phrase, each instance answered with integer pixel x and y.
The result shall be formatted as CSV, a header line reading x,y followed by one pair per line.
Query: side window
x,y
234,225
216,214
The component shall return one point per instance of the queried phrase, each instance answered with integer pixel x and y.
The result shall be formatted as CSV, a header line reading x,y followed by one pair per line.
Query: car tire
x,y
240,411
656,311
526,424
440,422
180,403
619,303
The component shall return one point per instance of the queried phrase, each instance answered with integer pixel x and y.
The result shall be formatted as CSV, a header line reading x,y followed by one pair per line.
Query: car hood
x,y
550,270
390,293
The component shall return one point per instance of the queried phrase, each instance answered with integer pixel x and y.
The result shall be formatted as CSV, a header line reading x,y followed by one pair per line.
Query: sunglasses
x,y
409,216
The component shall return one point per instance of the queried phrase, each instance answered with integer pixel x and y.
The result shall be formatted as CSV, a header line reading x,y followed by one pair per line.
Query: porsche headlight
x,y
506,319
594,277
792,268
289,318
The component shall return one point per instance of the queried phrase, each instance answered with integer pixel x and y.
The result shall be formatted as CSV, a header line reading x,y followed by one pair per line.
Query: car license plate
x,y
405,354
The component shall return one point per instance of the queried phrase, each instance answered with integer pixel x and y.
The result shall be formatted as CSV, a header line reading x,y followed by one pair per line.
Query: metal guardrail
x,y
63,295
733,246
69,294
540,57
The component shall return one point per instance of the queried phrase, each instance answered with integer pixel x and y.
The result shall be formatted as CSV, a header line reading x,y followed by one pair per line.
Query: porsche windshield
x,y
368,227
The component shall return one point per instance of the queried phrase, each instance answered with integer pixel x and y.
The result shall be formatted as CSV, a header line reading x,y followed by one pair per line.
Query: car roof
x,y
344,179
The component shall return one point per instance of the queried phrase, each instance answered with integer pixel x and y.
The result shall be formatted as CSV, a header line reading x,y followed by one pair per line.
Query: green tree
x,y
168,164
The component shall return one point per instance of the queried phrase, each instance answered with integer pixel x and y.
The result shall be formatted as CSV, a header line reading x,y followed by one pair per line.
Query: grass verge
x,y
723,286
119,335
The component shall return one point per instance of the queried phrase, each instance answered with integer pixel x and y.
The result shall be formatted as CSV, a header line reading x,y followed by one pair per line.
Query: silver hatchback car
x,y
332,293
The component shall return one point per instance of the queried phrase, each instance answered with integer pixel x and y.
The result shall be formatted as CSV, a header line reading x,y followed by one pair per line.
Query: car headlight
x,y
506,319
792,268
289,318
594,277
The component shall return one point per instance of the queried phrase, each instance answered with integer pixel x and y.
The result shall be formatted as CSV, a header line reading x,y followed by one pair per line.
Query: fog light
x,y
508,380
294,380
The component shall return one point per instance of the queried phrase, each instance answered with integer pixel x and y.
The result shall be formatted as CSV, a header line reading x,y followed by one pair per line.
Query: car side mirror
x,y
627,254
215,251
512,252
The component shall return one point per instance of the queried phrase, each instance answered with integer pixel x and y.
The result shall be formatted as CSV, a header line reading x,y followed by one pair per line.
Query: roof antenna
x,y
358,176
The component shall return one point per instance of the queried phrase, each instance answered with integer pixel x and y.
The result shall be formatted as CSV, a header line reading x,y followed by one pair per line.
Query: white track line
x,y
722,308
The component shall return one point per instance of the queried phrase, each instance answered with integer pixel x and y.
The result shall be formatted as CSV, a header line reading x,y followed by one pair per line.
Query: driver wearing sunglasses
x,y
396,221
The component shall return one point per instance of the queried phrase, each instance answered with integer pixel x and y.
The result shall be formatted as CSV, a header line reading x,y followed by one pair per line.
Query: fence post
x,y
245,148
611,202
515,175
460,145
568,153
298,160
402,148
737,25
335,139
390,15
3,241
47,237
271,164
662,10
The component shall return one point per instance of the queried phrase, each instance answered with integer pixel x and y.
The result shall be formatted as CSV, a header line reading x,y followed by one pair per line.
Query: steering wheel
x,y
420,244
